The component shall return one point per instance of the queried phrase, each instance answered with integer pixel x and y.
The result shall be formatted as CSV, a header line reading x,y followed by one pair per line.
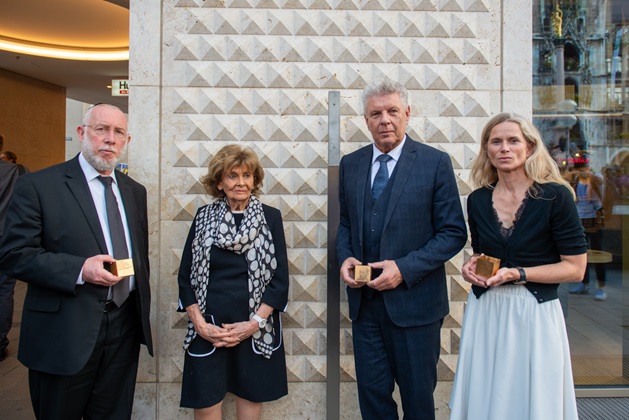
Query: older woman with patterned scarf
x,y
233,283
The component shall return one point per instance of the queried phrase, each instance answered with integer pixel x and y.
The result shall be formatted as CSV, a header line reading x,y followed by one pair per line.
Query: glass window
x,y
581,107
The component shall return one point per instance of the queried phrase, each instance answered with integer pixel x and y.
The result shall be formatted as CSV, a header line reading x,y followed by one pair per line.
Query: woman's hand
x,y
238,332
504,275
210,332
469,272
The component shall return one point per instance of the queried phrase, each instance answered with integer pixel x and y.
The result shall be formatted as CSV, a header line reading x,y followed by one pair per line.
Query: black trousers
x,y
105,387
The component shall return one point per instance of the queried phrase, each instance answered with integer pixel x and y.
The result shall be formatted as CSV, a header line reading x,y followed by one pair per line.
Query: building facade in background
x,y
205,73
581,106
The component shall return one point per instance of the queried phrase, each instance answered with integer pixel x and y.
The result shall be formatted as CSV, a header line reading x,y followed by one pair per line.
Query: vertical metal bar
x,y
333,375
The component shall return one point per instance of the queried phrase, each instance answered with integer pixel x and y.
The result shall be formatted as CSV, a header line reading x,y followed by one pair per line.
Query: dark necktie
x,y
382,176
120,291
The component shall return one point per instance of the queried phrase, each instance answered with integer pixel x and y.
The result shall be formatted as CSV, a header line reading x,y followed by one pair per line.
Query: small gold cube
x,y
487,266
122,268
362,273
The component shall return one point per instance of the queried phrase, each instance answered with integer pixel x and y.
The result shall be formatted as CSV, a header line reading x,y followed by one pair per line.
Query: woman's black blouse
x,y
229,265
549,227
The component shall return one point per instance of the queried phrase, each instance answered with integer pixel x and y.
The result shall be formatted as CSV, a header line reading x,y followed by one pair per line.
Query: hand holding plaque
x,y
487,266
362,273
122,268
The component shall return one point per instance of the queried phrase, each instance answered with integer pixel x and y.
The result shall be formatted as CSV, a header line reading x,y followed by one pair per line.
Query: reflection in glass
x,y
581,107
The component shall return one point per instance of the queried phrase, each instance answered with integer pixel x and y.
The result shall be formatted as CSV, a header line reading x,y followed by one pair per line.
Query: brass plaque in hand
x,y
122,268
487,266
362,273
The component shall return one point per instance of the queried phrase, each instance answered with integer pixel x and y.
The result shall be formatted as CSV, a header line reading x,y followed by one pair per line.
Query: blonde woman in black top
x,y
514,360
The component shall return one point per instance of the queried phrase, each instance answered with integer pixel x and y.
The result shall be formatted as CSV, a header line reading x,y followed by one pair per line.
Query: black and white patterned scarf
x,y
215,225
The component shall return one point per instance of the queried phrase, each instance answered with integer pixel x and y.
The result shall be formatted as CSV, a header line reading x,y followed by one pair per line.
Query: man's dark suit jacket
x,y
52,228
8,176
423,228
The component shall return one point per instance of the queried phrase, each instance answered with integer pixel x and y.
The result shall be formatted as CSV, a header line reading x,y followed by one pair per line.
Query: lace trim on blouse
x,y
506,232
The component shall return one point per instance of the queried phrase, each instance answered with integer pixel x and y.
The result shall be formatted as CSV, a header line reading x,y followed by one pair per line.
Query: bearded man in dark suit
x,y
401,215
82,326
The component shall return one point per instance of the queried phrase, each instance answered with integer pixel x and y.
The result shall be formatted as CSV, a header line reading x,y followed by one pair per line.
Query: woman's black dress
x,y
209,372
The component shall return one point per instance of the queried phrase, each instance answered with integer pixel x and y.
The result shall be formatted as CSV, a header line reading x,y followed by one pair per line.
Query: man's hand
x,y
390,277
347,272
94,271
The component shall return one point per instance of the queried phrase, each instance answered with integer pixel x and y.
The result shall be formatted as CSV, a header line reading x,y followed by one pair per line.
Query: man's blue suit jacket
x,y
423,228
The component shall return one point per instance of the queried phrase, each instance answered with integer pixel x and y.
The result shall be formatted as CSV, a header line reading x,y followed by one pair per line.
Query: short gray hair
x,y
88,113
384,87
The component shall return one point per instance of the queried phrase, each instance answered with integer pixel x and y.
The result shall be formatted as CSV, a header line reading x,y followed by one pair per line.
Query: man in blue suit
x,y
405,221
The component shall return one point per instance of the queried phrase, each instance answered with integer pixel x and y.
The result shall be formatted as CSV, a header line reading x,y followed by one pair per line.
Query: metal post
x,y
559,70
333,375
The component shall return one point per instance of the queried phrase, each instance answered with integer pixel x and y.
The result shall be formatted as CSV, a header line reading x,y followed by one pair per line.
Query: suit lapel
x,y
364,163
76,182
402,172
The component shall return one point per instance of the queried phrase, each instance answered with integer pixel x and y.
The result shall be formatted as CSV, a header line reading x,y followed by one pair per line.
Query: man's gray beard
x,y
100,164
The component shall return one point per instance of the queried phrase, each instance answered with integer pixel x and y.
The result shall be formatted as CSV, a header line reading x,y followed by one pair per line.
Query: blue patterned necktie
x,y
382,176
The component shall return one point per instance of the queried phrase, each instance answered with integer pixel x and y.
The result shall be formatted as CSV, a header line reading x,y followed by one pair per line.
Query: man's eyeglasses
x,y
103,130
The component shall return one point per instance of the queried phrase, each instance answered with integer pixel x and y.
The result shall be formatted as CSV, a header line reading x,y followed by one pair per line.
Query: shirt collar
x,y
90,172
395,153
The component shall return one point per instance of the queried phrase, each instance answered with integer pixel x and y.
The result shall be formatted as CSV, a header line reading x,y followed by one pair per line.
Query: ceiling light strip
x,y
65,53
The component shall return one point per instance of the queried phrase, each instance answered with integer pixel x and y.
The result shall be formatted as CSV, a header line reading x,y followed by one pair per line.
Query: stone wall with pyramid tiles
x,y
206,73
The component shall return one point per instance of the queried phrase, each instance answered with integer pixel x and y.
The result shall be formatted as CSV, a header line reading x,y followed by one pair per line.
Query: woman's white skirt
x,y
514,359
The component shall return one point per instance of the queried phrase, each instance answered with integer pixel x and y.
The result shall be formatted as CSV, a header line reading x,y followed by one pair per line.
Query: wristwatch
x,y
261,321
522,279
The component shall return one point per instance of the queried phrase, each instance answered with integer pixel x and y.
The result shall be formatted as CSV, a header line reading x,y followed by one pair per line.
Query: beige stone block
x,y
516,68
145,401
168,399
144,50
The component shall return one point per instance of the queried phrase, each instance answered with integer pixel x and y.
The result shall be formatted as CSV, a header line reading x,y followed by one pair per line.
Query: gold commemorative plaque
x,y
487,266
122,268
362,273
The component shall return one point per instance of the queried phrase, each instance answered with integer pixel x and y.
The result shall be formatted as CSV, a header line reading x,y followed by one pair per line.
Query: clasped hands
x,y
229,335
503,275
390,277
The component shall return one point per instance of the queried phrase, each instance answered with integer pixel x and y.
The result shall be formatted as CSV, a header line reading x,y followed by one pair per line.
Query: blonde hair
x,y
227,158
539,166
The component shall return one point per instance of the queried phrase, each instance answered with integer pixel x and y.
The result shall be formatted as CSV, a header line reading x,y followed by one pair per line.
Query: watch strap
x,y
261,321
522,279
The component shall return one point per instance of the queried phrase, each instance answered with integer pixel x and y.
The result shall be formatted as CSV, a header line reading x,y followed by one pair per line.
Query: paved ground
x,y
15,402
